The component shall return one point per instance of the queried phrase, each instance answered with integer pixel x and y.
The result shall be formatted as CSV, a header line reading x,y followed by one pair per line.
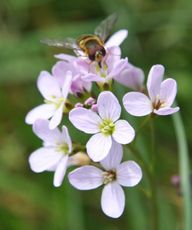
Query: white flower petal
x,y
41,129
137,104
128,173
48,86
44,111
66,138
117,38
113,159
154,80
108,106
57,117
113,200
43,159
166,111
168,91
124,132
86,177
85,120
98,146
60,171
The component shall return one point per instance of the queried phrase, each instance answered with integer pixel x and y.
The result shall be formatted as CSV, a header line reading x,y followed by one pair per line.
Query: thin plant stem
x,y
147,119
150,175
152,137
184,170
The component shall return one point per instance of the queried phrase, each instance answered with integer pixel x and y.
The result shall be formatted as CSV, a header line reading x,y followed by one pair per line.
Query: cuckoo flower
x,y
113,175
54,155
160,99
55,97
104,125
110,67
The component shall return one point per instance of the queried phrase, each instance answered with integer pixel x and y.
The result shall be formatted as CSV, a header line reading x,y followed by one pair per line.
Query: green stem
x,y
184,170
152,133
152,181
143,124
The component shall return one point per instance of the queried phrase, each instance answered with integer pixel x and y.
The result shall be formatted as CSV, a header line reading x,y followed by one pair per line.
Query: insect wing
x,y
104,28
68,43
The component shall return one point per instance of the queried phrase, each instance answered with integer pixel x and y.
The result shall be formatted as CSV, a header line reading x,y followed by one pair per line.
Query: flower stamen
x,y
107,127
109,176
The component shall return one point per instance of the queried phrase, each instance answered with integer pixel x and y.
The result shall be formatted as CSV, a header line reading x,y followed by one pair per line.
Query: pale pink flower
x,y
55,95
160,99
54,155
104,125
113,175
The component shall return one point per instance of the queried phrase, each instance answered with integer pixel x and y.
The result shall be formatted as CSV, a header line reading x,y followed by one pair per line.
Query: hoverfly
x,y
92,45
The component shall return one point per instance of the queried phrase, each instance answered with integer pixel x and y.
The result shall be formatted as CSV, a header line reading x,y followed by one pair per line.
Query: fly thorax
x,y
109,176
107,127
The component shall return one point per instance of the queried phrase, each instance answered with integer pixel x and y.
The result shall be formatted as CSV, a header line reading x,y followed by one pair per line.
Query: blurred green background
x,y
159,32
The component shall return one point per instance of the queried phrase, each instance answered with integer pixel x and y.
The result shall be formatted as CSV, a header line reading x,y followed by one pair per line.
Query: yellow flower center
x,y
56,101
107,127
63,148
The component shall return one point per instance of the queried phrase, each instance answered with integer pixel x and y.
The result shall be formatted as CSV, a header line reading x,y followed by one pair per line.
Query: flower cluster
x,y
68,91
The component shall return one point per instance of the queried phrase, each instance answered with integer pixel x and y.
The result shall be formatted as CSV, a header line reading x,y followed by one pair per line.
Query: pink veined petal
x,y
118,67
65,57
128,174
41,129
113,200
44,111
113,159
80,85
98,146
56,119
91,77
137,104
166,111
124,132
66,138
85,120
154,80
108,106
86,177
82,65
48,86
131,77
113,54
117,38
67,84
60,171
43,159
60,69
168,91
